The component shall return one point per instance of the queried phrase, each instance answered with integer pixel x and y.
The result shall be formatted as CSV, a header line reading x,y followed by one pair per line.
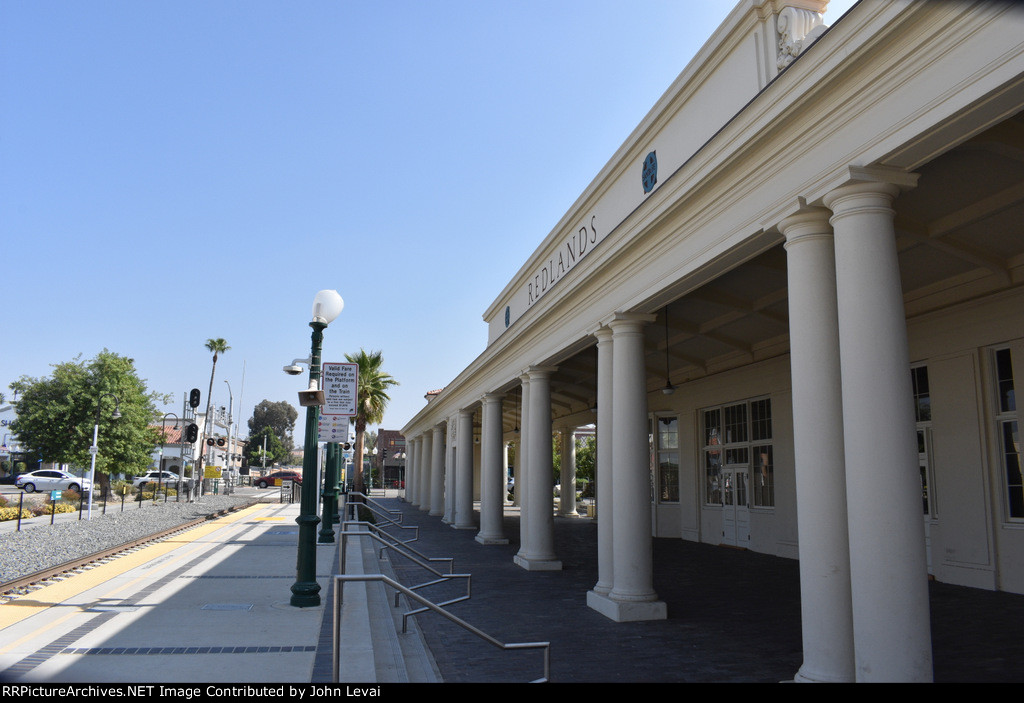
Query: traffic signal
x,y
193,398
192,432
209,441
220,441
385,455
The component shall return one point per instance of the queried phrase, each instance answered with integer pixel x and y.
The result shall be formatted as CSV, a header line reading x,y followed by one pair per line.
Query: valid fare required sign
x,y
341,388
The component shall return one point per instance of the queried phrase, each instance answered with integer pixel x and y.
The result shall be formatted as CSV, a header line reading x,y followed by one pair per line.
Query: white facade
x,y
794,297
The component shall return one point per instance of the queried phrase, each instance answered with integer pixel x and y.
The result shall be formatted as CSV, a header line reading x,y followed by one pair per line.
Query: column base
x,y
535,564
627,611
484,539
465,527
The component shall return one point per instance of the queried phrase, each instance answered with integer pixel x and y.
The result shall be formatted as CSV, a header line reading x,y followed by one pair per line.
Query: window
x,y
739,436
668,459
923,418
1009,434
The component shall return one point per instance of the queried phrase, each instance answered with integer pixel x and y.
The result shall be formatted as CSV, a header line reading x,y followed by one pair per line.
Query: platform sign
x,y
341,388
332,428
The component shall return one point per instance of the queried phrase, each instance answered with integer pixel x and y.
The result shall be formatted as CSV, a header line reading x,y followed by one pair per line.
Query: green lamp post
x,y
306,591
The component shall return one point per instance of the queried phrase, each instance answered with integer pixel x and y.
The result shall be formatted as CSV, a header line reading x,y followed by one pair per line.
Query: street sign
x,y
341,388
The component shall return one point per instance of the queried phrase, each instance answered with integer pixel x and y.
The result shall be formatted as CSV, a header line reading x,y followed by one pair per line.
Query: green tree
x,y
56,414
280,417
217,346
275,451
371,401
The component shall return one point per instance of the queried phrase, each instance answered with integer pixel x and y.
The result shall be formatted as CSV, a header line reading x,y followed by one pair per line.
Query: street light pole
x,y
306,591
231,422
94,449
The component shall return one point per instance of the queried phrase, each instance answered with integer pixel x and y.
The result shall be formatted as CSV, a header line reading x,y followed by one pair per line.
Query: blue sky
x,y
172,171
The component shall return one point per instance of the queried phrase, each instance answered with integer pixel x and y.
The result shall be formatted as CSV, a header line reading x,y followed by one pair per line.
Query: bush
x,y
71,497
12,514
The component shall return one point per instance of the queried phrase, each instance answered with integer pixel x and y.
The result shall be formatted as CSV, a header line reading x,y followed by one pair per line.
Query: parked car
x,y
271,478
166,478
52,480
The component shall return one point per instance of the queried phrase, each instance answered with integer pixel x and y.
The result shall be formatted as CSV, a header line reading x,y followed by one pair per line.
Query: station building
x,y
792,305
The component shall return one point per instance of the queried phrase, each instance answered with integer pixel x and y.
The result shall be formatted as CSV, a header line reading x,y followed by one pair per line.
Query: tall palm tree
x,y
217,346
371,402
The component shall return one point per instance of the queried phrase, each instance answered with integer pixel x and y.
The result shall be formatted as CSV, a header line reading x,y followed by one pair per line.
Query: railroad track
x,y
10,590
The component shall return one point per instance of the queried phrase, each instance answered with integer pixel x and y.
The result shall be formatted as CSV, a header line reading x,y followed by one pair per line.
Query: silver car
x,y
51,480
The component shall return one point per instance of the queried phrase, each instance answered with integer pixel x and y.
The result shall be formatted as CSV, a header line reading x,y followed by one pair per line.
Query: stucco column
x,y
464,473
492,474
437,471
540,552
825,606
632,596
410,471
448,516
523,461
892,629
603,474
427,457
567,487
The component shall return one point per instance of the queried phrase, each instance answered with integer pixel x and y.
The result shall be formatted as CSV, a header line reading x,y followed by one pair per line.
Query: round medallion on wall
x,y
649,176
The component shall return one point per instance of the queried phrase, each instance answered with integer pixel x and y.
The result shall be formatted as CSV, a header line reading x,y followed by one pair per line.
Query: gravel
x,y
41,546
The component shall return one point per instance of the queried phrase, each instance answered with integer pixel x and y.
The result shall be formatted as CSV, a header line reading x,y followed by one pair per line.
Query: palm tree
x,y
371,401
217,346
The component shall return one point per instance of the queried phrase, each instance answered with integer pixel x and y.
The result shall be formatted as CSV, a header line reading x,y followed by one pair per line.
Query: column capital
x,y
540,371
808,223
492,398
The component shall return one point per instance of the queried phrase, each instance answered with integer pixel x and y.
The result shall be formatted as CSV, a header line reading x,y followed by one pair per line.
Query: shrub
x,y
72,497
12,514
3,502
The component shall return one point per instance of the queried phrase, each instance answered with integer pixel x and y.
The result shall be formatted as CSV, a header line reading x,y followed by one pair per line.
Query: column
x,y
451,450
889,587
602,473
567,487
825,605
539,553
522,461
492,472
632,596
427,459
437,472
411,471
464,473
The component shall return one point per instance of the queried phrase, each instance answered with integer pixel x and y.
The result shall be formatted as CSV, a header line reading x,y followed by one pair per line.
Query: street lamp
x,y
231,422
306,591
94,449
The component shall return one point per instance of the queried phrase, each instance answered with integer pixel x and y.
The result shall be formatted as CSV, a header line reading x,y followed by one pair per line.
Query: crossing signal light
x,y
193,398
192,432
220,441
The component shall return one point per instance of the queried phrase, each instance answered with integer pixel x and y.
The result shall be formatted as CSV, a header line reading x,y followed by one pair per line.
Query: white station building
x,y
792,303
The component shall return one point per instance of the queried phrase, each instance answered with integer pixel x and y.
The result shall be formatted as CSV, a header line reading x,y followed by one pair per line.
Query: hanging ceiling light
x,y
669,389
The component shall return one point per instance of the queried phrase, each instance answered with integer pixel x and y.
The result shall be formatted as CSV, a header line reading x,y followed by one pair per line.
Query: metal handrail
x,y
380,509
340,580
381,533
353,518
443,577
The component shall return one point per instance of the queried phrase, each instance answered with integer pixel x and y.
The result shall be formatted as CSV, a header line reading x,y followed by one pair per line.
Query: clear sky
x,y
176,170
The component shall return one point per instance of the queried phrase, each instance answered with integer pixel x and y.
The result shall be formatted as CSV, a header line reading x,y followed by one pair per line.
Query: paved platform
x,y
207,605
733,615
212,605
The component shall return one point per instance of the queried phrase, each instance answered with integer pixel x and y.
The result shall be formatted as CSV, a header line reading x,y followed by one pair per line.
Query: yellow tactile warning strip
x,y
23,607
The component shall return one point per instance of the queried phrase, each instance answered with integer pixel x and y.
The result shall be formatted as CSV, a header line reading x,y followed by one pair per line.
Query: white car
x,y
51,480
165,478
